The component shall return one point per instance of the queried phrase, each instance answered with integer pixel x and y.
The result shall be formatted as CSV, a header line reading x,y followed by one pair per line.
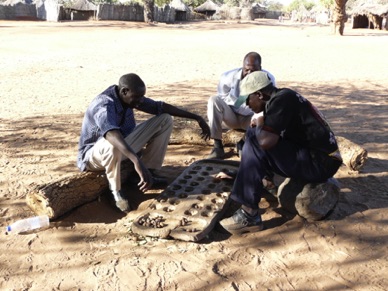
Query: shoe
x,y
241,222
217,153
123,205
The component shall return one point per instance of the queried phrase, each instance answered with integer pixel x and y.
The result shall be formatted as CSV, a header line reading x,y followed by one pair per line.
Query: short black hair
x,y
131,81
254,55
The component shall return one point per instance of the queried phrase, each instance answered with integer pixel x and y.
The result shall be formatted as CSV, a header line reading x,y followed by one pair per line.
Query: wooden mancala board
x,y
191,205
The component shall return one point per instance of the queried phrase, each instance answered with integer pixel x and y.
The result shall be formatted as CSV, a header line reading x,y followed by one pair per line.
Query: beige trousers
x,y
154,134
219,112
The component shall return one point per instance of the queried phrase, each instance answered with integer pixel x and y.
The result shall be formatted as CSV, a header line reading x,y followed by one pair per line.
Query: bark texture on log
x,y
60,196
192,136
353,155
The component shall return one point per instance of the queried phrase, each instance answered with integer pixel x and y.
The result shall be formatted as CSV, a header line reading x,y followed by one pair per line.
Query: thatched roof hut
x,y
83,5
208,8
369,15
179,5
18,9
181,10
14,2
81,10
369,8
258,10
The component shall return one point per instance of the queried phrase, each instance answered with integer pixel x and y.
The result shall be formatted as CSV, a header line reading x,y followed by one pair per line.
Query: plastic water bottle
x,y
28,224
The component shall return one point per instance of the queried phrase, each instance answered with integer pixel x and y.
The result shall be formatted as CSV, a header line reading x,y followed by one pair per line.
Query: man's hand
x,y
257,120
205,134
145,176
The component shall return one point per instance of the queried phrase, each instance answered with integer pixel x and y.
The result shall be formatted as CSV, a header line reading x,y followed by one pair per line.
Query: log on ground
x,y
353,155
60,196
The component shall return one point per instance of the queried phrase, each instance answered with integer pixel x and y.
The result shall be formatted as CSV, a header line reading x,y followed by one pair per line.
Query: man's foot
x,y
217,153
123,205
241,222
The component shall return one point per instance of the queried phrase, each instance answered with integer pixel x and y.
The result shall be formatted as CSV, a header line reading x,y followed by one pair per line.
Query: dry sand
x,y
51,71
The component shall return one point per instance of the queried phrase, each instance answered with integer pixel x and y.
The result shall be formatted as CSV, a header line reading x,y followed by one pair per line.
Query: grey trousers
x,y
153,134
218,112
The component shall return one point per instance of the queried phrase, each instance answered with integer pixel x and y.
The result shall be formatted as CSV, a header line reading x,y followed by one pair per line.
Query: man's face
x,y
132,99
255,102
250,65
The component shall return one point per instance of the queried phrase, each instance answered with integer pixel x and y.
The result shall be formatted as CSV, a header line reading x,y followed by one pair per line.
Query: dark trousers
x,y
285,159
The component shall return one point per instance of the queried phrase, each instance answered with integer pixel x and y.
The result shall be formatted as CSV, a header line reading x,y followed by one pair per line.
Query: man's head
x,y
250,91
251,63
131,90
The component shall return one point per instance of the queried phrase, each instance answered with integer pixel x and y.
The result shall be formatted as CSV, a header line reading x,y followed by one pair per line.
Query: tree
x,y
296,4
149,10
275,6
339,16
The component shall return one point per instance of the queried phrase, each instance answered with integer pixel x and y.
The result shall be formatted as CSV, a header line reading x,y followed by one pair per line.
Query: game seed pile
x,y
190,206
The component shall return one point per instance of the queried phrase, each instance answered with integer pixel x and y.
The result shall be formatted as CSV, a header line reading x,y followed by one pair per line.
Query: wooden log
x,y
189,133
60,196
353,155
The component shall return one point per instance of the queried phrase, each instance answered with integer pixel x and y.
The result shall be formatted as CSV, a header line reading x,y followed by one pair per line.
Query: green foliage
x,y
275,6
196,3
161,3
232,3
327,3
96,2
296,4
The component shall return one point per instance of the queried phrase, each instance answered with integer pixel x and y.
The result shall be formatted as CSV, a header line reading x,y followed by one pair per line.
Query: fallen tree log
x,y
353,155
60,196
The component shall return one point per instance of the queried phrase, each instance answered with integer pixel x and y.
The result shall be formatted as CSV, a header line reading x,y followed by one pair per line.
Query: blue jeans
x,y
286,159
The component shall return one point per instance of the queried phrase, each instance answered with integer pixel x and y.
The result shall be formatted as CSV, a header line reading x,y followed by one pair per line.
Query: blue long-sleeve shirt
x,y
105,113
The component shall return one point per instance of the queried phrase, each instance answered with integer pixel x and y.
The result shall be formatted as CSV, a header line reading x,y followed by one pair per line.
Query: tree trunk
x,y
149,11
339,16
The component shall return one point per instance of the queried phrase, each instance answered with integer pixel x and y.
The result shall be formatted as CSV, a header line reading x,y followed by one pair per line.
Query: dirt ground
x,y
51,71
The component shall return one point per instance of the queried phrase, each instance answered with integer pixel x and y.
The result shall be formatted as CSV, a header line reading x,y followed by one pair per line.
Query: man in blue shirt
x,y
221,108
110,134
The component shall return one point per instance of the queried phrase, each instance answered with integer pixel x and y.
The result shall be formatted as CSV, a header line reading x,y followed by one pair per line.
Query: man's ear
x,y
124,90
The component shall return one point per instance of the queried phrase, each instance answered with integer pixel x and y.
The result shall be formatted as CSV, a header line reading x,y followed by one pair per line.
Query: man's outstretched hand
x,y
205,134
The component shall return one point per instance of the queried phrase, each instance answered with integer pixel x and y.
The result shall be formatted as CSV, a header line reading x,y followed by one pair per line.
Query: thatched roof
x,y
207,6
258,8
178,5
83,5
368,8
14,2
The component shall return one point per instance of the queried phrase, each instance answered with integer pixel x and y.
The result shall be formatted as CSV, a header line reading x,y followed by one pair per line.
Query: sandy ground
x,y
51,71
